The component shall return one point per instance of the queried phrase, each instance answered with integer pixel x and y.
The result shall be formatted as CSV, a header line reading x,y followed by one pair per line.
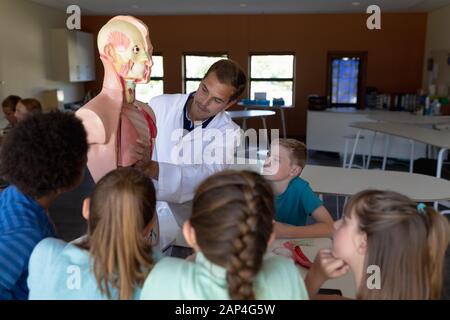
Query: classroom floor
x,y
66,211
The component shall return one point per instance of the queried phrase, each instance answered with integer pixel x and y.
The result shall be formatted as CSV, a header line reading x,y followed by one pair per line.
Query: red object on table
x,y
298,255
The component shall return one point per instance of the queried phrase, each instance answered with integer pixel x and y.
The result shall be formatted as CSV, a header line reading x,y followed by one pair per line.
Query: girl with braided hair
x,y
230,229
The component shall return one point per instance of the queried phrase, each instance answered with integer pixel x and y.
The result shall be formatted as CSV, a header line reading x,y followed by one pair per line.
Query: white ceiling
x,y
180,7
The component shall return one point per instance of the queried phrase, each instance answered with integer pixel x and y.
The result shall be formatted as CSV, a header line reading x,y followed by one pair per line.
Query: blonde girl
x,y
115,257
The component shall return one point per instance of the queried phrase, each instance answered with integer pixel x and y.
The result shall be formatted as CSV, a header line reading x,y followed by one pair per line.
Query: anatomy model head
x,y
124,43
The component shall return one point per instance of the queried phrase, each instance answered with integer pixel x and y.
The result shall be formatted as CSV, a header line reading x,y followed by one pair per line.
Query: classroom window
x,y
195,68
345,83
274,75
146,91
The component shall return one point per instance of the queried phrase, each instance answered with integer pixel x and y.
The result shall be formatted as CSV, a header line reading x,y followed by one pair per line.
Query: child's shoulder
x,y
171,266
298,183
282,276
52,252
164,279
42,259
49,246
276,265
46,250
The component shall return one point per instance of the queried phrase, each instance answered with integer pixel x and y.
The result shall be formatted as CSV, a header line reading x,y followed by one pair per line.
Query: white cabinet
x,y
72,56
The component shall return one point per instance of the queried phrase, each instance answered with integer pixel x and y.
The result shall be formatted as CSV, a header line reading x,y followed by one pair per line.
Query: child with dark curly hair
x,y
42,157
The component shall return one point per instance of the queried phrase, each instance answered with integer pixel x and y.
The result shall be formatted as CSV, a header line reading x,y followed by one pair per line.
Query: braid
x,y
245,261
232,216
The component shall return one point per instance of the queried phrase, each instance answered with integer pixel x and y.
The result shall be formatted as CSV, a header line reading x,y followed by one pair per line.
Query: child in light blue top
x,y
62,270
294,199
230,229
115,257
277,279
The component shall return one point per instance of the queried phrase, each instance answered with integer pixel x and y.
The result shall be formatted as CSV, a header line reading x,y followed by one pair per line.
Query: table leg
x,y
354,149
411,159
244,122
338,212
440,162
386,148
283,122
263,119
369,157
344,164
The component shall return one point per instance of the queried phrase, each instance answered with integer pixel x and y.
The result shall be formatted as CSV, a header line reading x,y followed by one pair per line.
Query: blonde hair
x,y
297,149
122,205
407,244
232,218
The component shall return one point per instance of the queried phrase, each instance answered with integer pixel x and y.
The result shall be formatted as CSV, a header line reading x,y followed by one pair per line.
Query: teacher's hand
x,y
144,163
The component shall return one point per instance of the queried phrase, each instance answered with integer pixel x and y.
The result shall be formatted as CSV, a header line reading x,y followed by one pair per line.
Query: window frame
x,y
152,78
362,76
185,79
279,53
159,78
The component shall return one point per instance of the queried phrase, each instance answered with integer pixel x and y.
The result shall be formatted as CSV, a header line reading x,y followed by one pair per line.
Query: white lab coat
x,y
180,172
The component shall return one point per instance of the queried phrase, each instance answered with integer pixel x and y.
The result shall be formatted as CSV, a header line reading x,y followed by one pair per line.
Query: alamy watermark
x,y
373,281
73,281
73,22
374,21
212,146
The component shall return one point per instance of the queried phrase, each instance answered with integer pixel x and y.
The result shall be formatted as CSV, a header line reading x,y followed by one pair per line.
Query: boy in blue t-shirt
x,y
42,157
294,199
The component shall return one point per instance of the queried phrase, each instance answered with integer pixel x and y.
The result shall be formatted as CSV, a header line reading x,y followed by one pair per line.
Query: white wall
x,y
438,34
25,51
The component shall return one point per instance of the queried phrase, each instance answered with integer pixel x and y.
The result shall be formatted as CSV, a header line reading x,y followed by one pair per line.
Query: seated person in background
x,y
42,157
26,107
294,199
116,255
405,241
230,229
9,108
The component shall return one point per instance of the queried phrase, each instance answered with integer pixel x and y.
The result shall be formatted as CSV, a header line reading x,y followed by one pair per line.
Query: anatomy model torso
x,y
114,120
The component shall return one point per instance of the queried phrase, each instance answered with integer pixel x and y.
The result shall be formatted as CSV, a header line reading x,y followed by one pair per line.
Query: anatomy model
x,y
114,120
